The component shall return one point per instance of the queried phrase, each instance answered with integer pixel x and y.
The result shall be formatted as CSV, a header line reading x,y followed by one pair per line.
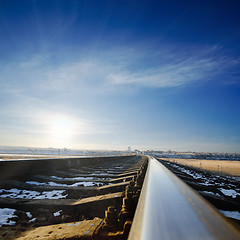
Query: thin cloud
x,y
121,68
176,70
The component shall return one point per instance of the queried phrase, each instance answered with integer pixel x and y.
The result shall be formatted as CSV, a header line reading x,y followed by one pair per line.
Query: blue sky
x,y
110,74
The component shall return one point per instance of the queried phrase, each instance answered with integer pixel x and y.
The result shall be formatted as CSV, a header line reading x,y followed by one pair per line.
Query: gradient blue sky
x,y
110,74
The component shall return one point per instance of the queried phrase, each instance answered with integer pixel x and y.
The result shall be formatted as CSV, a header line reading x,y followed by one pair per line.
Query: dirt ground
x,y
222,167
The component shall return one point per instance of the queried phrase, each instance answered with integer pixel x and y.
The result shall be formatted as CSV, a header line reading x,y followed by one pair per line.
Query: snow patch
x,y
35,183
229,192
217,194
73,224
188,172
56,214
5,215
231,214
53,184
73,179
32,220
29,214
27,194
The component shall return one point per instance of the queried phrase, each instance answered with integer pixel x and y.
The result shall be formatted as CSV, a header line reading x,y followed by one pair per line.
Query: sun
x,y
61,131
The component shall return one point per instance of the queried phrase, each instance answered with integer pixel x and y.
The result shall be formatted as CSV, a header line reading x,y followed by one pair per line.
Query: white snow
x,y
236,178
53,184
27,194
73,224
33,220
55,194
35,183
231,214
211,193
5,214
86,184
229,192
70,224
13,190
206,183
193,174
29,214
57,213
73,179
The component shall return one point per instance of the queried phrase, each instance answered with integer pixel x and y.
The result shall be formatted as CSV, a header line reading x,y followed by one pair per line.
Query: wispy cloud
x,y
174,69
122,67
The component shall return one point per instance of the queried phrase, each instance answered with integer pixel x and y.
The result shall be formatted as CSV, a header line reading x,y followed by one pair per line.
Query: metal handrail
x,y
169,209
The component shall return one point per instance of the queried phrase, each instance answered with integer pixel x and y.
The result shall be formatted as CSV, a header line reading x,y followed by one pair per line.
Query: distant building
x,y
137,151
129,149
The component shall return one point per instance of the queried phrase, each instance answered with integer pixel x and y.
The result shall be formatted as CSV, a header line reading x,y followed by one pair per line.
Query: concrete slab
x,y
128,174
73,230
121,179
113,186
97,198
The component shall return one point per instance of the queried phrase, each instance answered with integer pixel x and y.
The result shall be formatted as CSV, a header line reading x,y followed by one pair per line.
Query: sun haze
x,y
61,131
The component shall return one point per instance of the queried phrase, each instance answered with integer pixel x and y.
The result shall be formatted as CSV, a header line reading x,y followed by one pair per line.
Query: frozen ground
x,y
94,178
27,194
5,215
70,181
231,214
231,189
58,213
224,187
191,155
53,184
74,178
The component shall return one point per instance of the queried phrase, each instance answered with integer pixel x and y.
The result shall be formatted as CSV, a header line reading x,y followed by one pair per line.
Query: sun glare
x,y
61,131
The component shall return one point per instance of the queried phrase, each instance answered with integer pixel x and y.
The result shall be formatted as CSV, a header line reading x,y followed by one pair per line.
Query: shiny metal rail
x,y
169,209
